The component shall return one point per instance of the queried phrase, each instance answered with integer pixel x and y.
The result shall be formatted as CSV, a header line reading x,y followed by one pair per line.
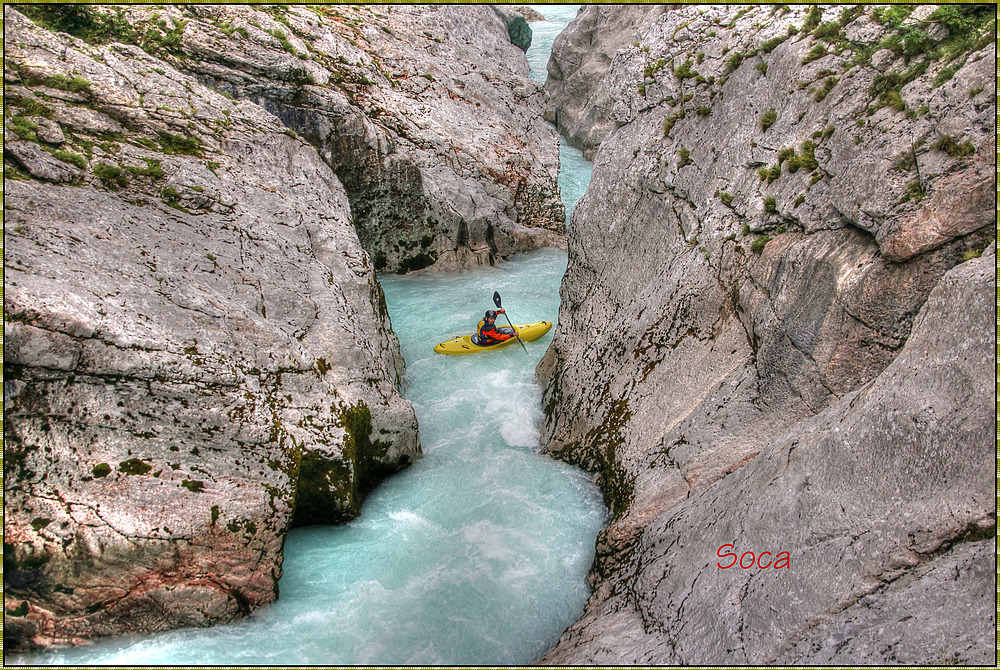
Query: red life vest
x,y
488,334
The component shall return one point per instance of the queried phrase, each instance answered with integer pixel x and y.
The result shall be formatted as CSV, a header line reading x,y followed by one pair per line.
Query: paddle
x,y
496,301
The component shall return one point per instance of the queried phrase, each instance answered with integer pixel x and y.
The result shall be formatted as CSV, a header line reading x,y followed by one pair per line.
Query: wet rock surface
x,y
788,223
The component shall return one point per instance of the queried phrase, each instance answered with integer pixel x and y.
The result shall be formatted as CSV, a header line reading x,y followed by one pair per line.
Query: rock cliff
x,y
198,354
796,355
426,114
581,56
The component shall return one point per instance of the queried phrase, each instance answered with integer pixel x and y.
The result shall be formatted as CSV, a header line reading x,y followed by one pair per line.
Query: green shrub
x,y
72,158
685,157
914,191
771,44
63,83
807,158
972,253
894,100
759,243
895,81
746,229
959,19
113,178
824,90
668,125
152,170
726,198
890,17
24,128
848,14
768,118
147,142
685,71
829,31
762,68
785,153
906,163
170,195
30,107
770,205
734,62
945,75
652,68
703,111
180,144
817,52
799,200
283,40
134,466
813,17
824,134
950,146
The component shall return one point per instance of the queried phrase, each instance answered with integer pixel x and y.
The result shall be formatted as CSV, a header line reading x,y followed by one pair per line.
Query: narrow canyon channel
x,y
478,553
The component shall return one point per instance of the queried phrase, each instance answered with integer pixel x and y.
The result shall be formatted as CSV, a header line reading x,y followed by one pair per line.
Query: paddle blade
x,y
496,299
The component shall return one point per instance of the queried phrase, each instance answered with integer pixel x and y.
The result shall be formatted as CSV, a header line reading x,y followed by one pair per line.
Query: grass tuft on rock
x,y
768,118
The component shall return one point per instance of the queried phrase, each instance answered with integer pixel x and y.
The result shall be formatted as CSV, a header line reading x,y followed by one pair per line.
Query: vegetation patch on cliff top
x,y
102,25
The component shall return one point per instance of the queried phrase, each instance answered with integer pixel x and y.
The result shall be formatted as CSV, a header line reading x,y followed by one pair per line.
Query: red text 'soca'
x,y
765,560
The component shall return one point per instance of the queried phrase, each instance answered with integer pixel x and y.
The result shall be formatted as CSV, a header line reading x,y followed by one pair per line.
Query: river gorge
x,y
233,235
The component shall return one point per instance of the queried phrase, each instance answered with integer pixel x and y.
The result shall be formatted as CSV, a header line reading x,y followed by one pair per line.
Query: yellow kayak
x,y
467,345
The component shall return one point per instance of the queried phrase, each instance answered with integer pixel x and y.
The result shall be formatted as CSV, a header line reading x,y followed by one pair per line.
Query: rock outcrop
x,y
426,114
581,56
198,354
796,355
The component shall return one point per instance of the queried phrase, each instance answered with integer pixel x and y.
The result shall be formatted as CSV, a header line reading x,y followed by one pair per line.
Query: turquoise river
x,y
475,555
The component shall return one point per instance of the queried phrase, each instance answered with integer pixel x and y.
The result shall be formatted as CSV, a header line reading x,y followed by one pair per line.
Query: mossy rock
x,y
193,485
134,466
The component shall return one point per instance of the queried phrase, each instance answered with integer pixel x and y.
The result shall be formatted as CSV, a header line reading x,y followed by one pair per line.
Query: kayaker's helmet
x,y
490,314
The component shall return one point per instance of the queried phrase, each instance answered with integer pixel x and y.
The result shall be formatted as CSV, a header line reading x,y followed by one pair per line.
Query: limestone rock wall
x,y
426,114
762,231
198,354
581,56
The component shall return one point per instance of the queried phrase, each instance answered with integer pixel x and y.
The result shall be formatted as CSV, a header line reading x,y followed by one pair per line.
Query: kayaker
x,y
488,333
